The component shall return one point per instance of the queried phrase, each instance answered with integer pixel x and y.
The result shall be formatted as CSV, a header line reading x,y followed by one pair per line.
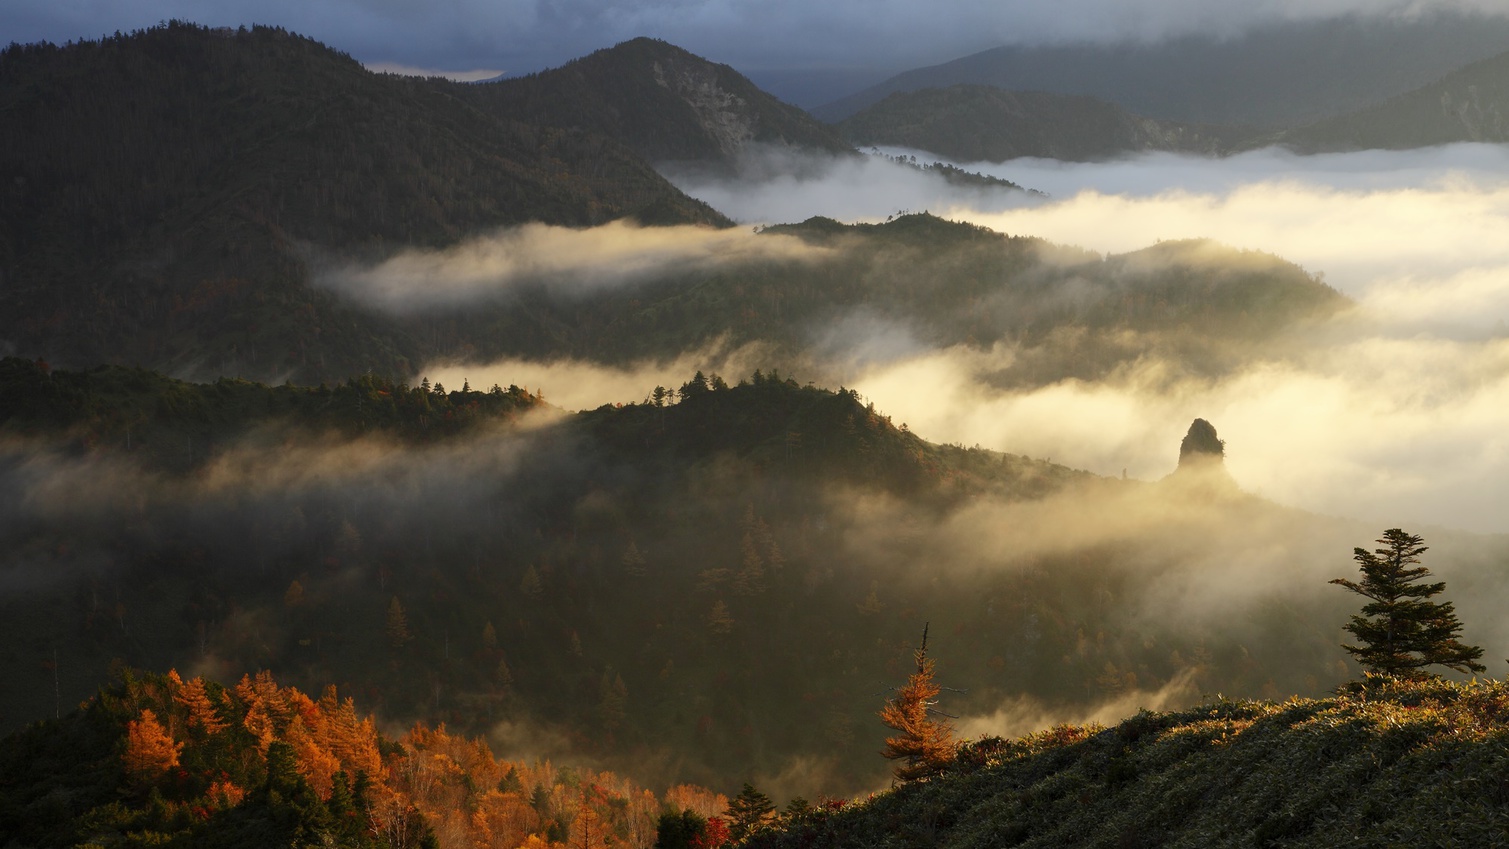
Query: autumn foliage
x,y
924,744
222,758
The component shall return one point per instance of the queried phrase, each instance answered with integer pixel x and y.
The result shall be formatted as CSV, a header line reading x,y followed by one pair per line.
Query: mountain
x,y
1282,75
160,193
665,103
825,286
974,123
1468,105
1384,763
694,589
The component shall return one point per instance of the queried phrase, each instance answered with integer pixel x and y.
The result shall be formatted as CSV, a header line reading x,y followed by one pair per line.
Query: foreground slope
x,y
160,194
1387,764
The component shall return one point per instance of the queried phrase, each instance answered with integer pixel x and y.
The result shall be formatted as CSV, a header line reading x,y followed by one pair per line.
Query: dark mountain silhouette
x,y
665,103
158,192
1201,445
1284,75
1468,105
972,123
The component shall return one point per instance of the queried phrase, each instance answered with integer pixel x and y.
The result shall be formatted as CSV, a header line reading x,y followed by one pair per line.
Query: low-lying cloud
x,y
571,262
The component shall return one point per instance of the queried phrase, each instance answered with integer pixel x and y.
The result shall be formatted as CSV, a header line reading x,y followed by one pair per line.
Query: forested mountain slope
x,y
974,123
159,192
710,587
1286,74
665,103
1468,105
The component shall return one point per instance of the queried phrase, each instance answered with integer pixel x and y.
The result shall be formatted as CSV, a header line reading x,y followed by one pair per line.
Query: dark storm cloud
x,y
526,35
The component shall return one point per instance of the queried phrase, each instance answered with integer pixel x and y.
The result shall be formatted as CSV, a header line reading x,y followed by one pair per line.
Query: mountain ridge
x,y
1282,75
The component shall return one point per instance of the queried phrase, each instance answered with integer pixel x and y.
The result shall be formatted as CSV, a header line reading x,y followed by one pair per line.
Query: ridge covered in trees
x,y
665,103
491,568
160,760
160,192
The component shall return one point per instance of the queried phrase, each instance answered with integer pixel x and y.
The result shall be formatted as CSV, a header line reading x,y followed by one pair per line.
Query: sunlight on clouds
x,y
1393,430
563,259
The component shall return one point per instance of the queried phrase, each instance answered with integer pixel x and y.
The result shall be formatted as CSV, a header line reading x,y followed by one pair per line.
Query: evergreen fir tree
x,y
1400,632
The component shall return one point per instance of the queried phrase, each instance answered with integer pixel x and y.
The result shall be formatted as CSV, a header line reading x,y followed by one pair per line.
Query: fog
x,y
566,261
1393,412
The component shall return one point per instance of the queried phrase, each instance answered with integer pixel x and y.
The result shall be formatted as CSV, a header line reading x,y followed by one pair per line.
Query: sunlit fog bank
x,y
1395,413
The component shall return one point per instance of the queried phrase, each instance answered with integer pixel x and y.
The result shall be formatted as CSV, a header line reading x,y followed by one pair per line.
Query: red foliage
x,y
715,834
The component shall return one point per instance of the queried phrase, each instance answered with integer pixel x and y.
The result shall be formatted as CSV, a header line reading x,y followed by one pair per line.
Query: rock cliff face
x,y
1201,446
1202,465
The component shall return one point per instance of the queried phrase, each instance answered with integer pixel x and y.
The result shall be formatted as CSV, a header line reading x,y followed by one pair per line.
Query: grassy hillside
x,y
1386,764
160,193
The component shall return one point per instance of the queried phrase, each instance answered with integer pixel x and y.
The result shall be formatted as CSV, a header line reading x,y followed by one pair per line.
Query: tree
x,y
397,626
1400,632
748,812
679,831
924,743
150,751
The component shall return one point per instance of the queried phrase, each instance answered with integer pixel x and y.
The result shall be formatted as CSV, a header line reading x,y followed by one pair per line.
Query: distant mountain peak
x,y
668,104
1201,445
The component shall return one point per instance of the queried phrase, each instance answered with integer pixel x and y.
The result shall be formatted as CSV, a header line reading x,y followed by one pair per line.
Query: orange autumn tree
x,y
150,750
926,745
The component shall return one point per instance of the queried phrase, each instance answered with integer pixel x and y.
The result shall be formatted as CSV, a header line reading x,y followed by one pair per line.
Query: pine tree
x,y
924,743
1400,632
747,812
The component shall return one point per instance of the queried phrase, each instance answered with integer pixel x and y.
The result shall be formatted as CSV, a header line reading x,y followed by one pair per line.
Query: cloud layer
x,y
526,35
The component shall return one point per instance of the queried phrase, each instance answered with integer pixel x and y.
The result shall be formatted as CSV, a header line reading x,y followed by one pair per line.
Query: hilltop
x,y
1386,763
665,103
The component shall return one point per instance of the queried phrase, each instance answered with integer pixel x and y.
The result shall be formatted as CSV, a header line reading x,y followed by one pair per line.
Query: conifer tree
x,y
747,812
1400,633
150,751
924,743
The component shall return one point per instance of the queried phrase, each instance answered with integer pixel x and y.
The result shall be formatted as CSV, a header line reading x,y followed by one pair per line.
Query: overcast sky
x,y
526,35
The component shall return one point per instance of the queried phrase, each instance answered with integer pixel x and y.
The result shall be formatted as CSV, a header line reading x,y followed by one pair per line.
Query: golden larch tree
x,y
150,750
925,744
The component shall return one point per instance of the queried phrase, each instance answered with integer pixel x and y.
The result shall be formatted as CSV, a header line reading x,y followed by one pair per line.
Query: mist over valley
x,y
629,421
